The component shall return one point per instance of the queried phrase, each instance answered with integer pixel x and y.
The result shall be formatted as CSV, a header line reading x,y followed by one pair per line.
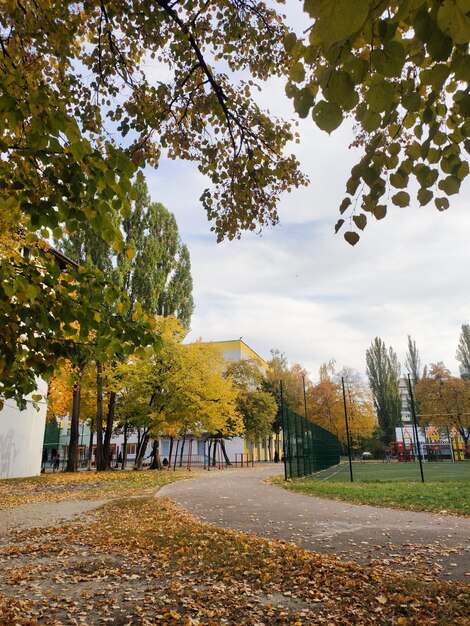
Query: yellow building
x,y
238,350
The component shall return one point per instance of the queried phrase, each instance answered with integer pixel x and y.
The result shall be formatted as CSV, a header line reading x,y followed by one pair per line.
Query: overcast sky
x,y
302,289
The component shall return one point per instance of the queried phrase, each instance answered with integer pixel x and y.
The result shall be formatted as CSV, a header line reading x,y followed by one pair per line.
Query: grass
x,y
84,486
392,485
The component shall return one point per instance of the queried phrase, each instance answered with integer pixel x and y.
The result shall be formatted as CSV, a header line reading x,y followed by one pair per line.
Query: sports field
x,y
396,485
370,471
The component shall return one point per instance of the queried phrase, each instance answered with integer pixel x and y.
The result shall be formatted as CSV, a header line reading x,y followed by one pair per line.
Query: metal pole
x,y
413,415
307,433
284,446
347,430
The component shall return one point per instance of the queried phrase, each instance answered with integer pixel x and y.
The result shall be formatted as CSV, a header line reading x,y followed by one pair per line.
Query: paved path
x,y
44,514
239,499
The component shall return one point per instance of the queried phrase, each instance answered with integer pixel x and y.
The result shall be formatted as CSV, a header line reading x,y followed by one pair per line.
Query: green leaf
x,y
303,101
344,205
424,196
411,102
351,237
340,89
336,19
389,60
439,46
398,180
450,185
360,221
442,204
297,72
327,115
338,225
401,199
289,41
380,211
371,121
380,95
453,19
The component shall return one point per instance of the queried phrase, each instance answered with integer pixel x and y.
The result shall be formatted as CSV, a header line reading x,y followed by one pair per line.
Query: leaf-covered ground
x,y
143,561
84,486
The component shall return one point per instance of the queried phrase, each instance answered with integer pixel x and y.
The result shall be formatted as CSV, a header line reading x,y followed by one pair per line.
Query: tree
x,y
383,371
81,113
180,390
413,362
154,267
326,406
324,400
400,70
444,400
463,351
153,272
362,418
258,407
44,320
292,378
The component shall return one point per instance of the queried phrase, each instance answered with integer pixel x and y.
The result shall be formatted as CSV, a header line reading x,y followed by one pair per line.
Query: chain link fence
x,y
308,448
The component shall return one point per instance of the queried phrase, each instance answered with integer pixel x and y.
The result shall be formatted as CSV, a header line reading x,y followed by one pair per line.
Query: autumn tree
x,y
324,400
444,400
258,407
362,417
180,390
153,271
463,352
82,112
326,405
383,371
399,70
292,377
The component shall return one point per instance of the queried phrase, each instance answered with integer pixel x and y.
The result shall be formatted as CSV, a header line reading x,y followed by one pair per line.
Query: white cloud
x,y
304,290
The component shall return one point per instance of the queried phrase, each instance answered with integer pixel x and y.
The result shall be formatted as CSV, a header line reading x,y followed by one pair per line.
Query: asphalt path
x,y
422,543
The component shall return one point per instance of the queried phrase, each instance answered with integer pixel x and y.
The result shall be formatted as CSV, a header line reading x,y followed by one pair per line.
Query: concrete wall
x,y
21,437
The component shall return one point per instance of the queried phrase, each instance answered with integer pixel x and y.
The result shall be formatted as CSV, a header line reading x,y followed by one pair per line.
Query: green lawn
x,y
371,471
396,485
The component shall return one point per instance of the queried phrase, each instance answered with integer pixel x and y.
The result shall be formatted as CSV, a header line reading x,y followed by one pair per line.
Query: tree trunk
x,y
139,459
99,457
224,452
214,453
176,454
156,461
109,430
90,447
124,448
209,446
72,461
181,451
170,452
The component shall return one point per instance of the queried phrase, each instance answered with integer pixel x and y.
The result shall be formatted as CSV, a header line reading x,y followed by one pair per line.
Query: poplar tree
x,y
154,266
383,371
463,351
413,362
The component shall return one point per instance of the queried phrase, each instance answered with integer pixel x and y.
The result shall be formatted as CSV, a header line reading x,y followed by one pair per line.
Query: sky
x,y
302,289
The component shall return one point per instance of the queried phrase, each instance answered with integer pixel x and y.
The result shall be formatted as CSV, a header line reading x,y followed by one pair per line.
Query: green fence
x,y
308,448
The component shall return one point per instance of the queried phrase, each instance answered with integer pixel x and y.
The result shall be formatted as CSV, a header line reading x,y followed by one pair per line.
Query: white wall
x,y
21,438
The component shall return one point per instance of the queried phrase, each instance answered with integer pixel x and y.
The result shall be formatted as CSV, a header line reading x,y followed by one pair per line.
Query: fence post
x,y
284,437
347,430
413,414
